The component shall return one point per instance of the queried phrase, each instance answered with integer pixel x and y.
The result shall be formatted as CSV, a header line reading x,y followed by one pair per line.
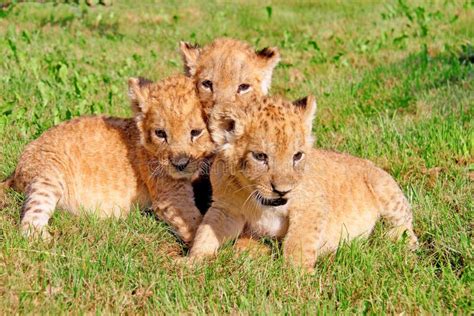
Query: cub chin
x,y
105,165
267,178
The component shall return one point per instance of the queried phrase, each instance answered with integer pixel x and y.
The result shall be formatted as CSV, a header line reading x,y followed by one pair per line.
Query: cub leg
x,y
217,227
398,214
175,205
305,236
42,195
395,208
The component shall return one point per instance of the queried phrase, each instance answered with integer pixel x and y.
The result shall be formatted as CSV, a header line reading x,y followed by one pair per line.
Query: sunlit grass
x,y
390,87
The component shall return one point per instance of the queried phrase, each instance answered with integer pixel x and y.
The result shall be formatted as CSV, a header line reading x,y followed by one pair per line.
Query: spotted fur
x,y
269,181
228,64
106,165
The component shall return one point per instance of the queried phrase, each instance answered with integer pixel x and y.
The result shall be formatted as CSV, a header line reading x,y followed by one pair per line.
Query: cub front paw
x,y
300,259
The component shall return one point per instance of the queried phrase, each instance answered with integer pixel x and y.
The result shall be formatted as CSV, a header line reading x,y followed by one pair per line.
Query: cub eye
x,y
244,87
160,133
196,132
297,157
260,156
207,84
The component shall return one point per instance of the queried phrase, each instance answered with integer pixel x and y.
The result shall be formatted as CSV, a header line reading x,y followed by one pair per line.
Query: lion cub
x,y
269,181
227,70
224,71
105,164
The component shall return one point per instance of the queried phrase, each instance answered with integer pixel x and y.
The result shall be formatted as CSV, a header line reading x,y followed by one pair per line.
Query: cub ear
x,y
269,57
137,92
190,54
306,107
225,125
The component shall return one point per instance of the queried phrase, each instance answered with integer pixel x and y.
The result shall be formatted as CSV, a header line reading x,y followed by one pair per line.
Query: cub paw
x,y
398,233
35,233
301,260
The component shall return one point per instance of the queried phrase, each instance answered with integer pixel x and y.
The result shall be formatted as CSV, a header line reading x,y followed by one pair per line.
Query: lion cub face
x,y
228,70
263,143
170,119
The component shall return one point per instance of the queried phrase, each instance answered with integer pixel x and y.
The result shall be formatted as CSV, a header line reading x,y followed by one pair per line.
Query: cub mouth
x,y
273,202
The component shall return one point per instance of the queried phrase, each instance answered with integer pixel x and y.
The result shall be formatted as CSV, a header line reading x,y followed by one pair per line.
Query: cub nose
x,y
280,191
180,162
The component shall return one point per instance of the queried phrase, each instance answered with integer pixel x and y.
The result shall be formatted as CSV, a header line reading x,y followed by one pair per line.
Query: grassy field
x,y
394,85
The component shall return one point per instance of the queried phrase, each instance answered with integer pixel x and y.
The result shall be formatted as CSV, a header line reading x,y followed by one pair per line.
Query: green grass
x,y
390,88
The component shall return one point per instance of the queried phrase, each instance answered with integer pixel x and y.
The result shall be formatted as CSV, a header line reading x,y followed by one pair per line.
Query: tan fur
x,y
228,63
330,197
4,186
106,165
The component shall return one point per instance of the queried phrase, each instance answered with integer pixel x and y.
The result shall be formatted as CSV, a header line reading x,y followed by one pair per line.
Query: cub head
x,y
263,144
227,70
171,124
